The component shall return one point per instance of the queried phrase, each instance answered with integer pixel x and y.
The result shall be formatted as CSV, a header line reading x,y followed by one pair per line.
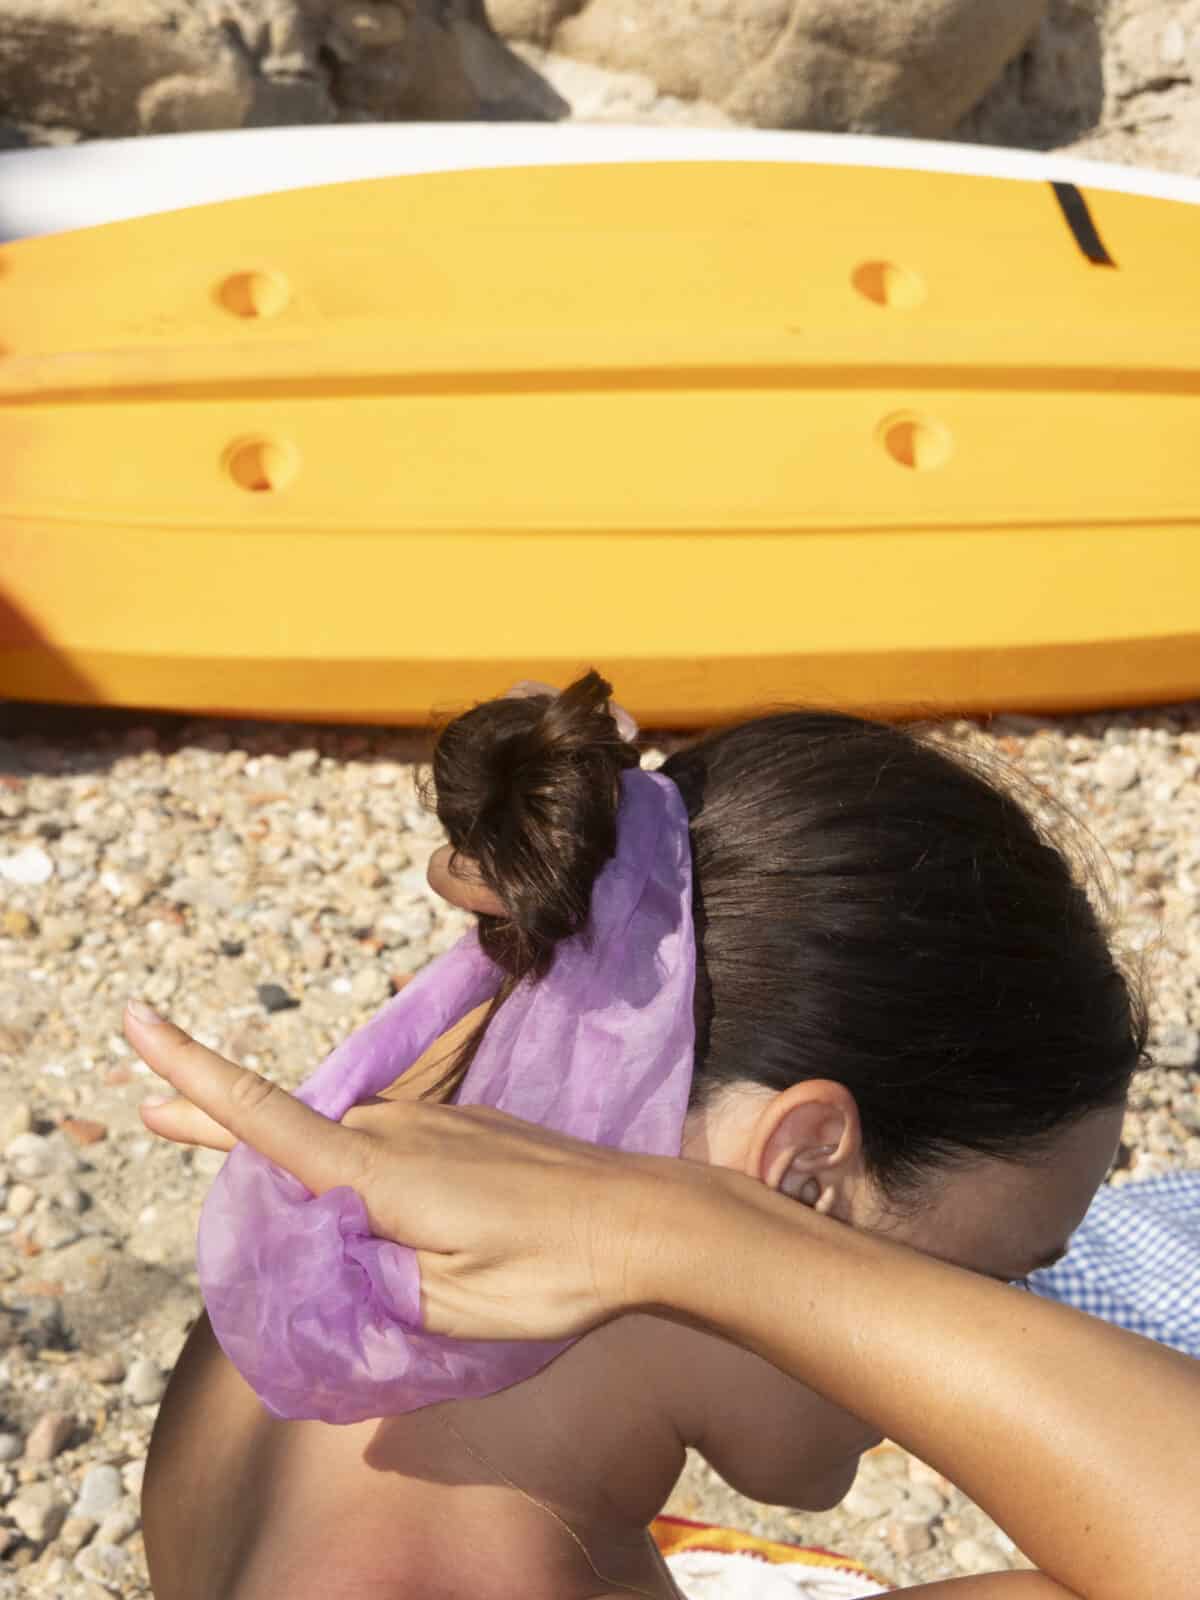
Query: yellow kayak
x,y
734,432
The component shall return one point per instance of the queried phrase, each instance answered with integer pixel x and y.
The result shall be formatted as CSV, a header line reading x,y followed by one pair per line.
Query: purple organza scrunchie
x,y
322,1319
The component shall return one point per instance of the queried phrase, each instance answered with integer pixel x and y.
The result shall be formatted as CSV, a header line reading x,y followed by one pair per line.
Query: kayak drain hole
x,y
919,443
261,465
887,284
255,294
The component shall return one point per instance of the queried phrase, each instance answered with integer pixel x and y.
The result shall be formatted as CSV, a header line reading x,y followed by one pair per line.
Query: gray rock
x,y
99,1492
144,1383
11,1446
274,997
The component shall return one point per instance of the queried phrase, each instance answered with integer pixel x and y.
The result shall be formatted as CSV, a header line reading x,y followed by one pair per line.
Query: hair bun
x,y
528,788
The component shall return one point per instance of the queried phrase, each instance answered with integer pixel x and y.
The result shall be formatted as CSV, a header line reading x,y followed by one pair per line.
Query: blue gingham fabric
x,y
1135,1261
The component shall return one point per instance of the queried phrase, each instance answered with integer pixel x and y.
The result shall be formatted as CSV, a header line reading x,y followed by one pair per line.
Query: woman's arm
x,y
1078,1439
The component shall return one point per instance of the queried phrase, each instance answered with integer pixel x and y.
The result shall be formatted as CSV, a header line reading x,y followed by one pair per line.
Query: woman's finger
x,y
179,1120
321,1153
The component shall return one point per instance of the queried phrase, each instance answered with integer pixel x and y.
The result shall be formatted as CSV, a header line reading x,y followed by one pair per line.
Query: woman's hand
x,y
522,1233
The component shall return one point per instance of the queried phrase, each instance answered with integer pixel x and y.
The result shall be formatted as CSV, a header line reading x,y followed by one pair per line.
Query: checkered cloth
x,y
1135,1261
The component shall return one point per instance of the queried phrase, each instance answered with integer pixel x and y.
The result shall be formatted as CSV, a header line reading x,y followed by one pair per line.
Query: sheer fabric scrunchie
x,y
321,1318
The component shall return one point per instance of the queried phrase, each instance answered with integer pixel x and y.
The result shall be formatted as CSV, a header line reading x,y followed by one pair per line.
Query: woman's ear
x,y
456,878
806,1142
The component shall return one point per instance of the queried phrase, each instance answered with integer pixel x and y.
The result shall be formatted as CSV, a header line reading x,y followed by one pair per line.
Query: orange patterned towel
x,y
722,1564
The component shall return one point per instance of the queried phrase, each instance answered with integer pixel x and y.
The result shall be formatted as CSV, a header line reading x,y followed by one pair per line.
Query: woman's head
x,y
898,976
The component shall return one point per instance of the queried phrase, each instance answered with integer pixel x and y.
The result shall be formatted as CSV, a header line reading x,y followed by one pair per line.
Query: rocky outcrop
x,y
120,67
891,66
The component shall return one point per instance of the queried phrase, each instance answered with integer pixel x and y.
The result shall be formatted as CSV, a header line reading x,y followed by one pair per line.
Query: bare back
x,y
545,1490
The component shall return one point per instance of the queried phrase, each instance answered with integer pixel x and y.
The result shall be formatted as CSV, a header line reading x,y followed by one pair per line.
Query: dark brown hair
x,y
870,908
528,789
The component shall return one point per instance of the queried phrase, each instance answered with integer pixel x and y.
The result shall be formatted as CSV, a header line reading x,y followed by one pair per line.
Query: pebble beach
x,y
264,885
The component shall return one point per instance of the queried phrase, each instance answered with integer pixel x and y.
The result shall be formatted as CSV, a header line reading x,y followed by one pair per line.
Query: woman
x,y
1073,1435
883,994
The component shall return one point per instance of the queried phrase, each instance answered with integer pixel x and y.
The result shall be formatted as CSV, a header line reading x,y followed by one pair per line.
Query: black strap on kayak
x,y
1079,219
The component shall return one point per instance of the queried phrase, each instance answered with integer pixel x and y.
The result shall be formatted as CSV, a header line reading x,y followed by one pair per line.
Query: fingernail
x,y
143,1012
157,1100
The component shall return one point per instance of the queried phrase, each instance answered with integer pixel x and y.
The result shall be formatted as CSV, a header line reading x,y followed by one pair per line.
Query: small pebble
x,y
38,1511
32,1156
371,986
55,1232
49,1435
118,1525
28,1155
30,867
972,1557
18,925
15,1120
67,1196
83,1131
144,1383
924,1500
105,1564
922,1473
75,1533
11,1446
1117,769
21,1200
909,1536
1173,45
1179,1046
870,1503
108,1368
274,997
